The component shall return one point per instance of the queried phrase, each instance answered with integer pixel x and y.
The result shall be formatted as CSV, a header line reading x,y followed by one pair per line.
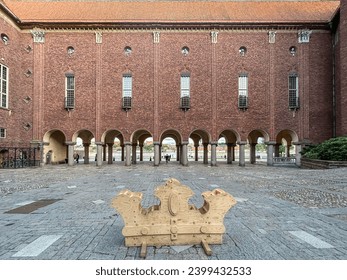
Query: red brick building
x,y
182,69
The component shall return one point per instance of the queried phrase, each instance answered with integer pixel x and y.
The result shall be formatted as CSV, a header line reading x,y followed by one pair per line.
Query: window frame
x,y
2,132
70,93
4,94
243,90
293,92
127,86
185,91
127,91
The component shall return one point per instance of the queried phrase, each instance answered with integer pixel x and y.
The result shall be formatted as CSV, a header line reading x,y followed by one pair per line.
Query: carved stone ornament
x,y
156,37
304,36
214,37
173,221
272,37
98,37
38,36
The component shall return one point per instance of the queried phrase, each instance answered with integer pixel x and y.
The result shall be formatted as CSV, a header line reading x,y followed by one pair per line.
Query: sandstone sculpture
x,y
173,221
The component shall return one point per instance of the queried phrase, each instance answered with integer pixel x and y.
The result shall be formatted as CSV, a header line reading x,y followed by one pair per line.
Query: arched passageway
x,y
200,141
170,145
259,138
141,141
113,147
81,138
54,149
230,140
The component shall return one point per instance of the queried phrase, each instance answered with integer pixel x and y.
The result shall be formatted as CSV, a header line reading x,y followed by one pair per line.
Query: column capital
x,y
70,143
156,143
270,143
99,143
214,143
185,143
127,143
241,143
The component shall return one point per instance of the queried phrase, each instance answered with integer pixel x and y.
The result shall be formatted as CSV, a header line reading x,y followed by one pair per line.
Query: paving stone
x,y
271,203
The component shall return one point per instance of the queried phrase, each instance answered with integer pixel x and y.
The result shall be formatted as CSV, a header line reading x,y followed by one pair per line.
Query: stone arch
x,y
108,138
54,149
200,137
176,136
253,137
284,139
138,139
84,152
231,138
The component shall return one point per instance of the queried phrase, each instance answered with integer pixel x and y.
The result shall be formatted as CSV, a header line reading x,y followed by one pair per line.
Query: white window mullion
x,y
127,86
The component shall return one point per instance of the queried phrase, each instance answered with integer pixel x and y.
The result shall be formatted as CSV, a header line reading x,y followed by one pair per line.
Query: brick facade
x,y
37,98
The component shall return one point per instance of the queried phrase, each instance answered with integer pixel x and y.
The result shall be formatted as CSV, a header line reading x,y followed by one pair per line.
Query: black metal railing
x,y
185,103
126,103
18,157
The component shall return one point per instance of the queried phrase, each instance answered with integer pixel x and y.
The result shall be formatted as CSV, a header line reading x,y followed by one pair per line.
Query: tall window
x,y
69,91
127,89
3,86
243,91
2,133
293,89
185,91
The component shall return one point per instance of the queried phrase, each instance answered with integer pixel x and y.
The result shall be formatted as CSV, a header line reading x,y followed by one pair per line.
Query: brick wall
x,y
156,69
342,94
17,119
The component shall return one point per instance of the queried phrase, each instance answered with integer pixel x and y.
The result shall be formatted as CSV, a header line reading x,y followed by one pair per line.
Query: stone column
x,y
86,152
270,153
214,153
70,151
252,153
127,153
298,148
122,153
99,149
156,153
110,153
104,152
242,152
141,152
277,150
134,145
288,150
178,147
160,152
196,152
184,154
205,153
230,148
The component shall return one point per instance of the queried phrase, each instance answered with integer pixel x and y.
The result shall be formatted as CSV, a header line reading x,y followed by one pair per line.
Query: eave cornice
x,y
174,25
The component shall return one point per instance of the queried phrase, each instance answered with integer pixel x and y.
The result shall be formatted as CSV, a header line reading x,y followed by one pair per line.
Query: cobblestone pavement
x,y
282,212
